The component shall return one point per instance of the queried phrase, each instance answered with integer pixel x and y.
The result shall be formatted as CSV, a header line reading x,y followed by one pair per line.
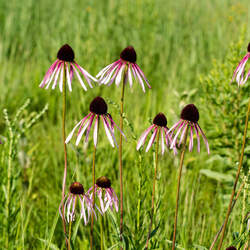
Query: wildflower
x,y
114,71
98,110
189,119
76,191
103,188
159,124
65,60
239,72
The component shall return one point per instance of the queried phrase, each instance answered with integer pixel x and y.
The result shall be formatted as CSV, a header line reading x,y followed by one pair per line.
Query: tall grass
x,y
176,42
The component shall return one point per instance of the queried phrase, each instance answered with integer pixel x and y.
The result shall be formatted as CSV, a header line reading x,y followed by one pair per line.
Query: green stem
x,y
178,185
233,204
120,153
93,184
9,183
237,176
101,232
139,194
153,192
65,151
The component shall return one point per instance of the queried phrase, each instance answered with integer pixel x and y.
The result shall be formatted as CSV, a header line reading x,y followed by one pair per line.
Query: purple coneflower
x,y
98,110
239,72
189,119
159,124
103,187
76,191
115,70
65,60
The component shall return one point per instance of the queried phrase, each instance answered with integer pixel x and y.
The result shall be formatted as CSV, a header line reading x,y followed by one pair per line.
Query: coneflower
x,y
189,121
65,65
240,79
62,70
98,111
239,73
160,130
123,70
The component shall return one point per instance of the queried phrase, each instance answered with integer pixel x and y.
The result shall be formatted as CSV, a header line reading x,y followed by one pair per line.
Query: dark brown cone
x,y
190,113
248,47
66,53
128,54
103,182
76,188
98,106
231,248
160,120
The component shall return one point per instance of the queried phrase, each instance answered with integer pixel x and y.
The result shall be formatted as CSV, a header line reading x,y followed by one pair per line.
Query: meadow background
x,y
187,50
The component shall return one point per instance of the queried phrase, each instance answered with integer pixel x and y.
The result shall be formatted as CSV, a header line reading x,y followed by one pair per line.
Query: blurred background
x,y
187,50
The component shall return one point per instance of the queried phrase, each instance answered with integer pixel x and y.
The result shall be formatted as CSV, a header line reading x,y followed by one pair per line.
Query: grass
x,y
176,42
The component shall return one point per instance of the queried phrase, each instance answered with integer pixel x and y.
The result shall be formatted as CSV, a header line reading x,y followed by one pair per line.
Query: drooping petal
x,y
68,78
143,137
198,138
204,138
119,75
108,133
177,133
162,141
79,78
139,77
142,75
110,129
82,131
72,132
61,79
152,139
86,75
59,68
83,214
182,134
103,71
48,74
96,130
191,139
91,119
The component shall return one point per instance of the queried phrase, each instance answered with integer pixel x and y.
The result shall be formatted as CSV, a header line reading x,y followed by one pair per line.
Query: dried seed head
x,y
190,113
76,188
248,47
160,120
98,106
103,182
231,248
128,54
66,53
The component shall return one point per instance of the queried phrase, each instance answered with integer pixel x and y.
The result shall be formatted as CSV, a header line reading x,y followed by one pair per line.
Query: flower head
x,y
105,193
189,119
159,126
65,61
98,110
231,248
76,192
127,64
239,73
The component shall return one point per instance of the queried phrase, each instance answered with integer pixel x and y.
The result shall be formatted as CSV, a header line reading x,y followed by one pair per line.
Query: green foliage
x,y
176,41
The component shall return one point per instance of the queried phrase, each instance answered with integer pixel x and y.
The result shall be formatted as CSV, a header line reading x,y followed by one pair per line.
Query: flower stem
x,y
101,232
237,176
153,192
65,152
233,204
178,185
70,227
120,153
93,204
9,183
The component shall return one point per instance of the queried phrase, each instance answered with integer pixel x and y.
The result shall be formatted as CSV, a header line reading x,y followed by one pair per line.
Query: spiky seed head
x,y
190,113
98,106
66,53
231,248
76,188
103,182
160,120
248,47
128,54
